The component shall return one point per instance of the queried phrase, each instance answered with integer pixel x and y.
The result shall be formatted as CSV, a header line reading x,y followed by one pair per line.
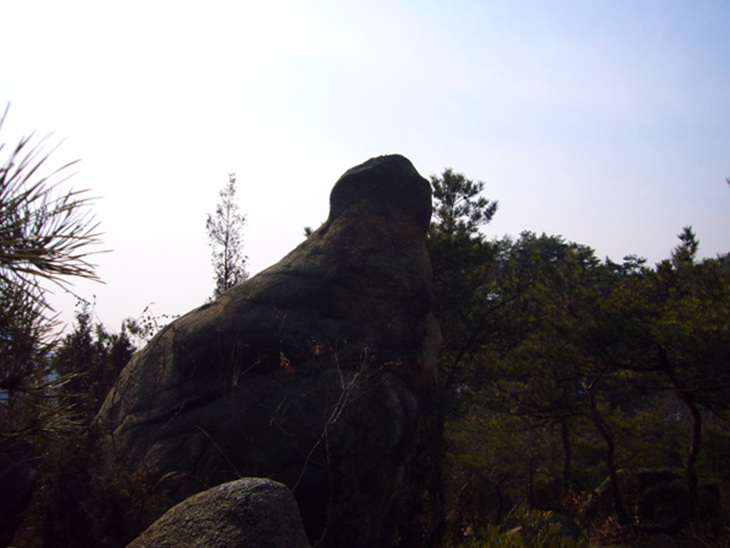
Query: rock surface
x,y
315,372
239,514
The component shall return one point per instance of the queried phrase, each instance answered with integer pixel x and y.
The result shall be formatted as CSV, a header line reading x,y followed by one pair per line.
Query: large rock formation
x,y
314,373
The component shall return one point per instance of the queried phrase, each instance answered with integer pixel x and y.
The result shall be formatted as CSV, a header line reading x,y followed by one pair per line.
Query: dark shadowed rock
x,y
316,372
239,514
664,505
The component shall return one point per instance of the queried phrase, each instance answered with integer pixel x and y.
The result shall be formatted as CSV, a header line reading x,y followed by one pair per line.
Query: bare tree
x,y
224,232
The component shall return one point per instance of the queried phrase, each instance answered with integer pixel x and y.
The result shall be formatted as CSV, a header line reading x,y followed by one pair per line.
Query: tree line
x,y
561,367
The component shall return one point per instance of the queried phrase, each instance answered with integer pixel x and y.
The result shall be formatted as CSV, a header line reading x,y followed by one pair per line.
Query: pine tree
x,y
224,232
461,258
46,235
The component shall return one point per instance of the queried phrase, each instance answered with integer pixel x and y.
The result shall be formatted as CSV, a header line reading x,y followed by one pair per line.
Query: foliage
x,y
583,366
93,357
45,234
460,208
224,234
493,461
74,506
30,405
462,260
145,326
76,373
690,325
533,529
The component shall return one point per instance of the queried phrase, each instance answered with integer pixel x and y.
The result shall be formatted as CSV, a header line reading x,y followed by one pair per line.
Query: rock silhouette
x,y
314,373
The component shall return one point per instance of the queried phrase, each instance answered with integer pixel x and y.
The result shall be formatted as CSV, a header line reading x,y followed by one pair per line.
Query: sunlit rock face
x,y
314,373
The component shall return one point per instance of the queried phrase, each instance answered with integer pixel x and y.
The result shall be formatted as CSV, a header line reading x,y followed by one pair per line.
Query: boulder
x,y
664,505
317,372
239,514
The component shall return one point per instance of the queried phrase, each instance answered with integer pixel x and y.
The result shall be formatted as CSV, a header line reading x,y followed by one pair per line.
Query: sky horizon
x,y
607,123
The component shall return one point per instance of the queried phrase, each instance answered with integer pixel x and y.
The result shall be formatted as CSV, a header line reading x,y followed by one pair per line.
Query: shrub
x,y
534,529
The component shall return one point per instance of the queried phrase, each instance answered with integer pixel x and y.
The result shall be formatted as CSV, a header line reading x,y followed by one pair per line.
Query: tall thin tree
x,y
226,241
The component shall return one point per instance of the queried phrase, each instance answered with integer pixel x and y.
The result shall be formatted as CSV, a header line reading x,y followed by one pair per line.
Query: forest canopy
x,y
559,368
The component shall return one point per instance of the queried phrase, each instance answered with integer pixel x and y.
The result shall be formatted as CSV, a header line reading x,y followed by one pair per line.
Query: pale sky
x,y
606,122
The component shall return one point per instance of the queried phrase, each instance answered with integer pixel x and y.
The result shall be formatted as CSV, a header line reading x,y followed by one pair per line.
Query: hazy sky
x,y
607,122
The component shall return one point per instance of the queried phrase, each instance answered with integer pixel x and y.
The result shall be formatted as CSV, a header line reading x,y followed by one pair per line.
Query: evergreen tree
x,y
462,262
224,234
691,330
561,368
45,236
29,403
459,206
92,358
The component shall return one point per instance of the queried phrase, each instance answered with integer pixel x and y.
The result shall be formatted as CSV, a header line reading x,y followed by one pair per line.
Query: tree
x,y
556,354
556,363
92,358
30,406
691,330
460,208
45,236
224,232
462,260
